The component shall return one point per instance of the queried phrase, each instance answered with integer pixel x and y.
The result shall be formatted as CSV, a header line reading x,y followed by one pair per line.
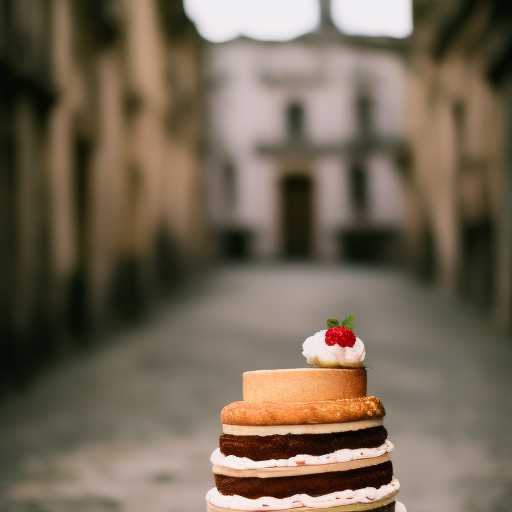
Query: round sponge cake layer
x,y
285,446
296,413
317,484
304,384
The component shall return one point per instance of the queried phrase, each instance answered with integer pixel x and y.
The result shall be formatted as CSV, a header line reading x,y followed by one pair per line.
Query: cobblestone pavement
x,y
130,426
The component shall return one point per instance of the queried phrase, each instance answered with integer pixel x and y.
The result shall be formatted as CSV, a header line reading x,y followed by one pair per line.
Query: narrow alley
x,y
130,425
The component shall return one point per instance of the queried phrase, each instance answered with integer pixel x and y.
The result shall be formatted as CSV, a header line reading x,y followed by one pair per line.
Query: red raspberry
x,y
330,340
343,336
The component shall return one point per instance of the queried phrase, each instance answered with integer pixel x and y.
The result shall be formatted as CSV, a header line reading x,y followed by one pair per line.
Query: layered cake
x,y
307,438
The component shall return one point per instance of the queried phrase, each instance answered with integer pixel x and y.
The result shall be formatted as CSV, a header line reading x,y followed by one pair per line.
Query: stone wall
x,y
100,183
458,181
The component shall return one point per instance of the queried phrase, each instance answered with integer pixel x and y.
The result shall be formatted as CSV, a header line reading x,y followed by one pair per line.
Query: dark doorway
x,y
77,300
370,245
297,198
235,244
477,262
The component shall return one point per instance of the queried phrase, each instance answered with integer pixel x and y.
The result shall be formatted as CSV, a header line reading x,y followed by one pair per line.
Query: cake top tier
x,y
304,385
335,347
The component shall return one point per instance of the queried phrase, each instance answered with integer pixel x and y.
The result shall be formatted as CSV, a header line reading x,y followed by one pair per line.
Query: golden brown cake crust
x,y
297,413
304,384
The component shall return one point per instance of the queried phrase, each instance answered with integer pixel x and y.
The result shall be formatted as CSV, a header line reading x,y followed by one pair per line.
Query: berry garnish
x,y
341,336
340,333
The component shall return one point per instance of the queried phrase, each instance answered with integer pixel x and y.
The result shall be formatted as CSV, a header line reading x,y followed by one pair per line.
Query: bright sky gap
x,y
282,20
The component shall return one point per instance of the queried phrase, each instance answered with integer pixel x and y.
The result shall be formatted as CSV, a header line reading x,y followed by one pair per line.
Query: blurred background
x,y
188,190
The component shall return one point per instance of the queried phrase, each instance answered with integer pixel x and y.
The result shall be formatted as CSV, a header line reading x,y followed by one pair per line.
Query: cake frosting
x,y
231,461
317,353
314,428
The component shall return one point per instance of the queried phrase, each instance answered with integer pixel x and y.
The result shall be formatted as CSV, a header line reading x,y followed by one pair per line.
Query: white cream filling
x,y
346,455
318,353
313,428
364,495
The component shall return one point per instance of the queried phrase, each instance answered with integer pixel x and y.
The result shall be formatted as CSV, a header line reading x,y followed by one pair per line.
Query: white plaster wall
x,y
384,72
385,191
245,111
332,205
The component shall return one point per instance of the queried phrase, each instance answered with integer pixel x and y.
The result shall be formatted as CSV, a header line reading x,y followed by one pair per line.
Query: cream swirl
x,y
344,455
318,353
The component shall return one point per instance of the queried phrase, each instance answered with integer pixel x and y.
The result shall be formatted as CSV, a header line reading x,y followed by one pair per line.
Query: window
x,y
229,182
295,120
358,187
364,107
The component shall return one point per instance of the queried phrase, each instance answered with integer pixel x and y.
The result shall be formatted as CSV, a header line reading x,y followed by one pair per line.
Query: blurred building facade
x,y
303,140
100,187
459,184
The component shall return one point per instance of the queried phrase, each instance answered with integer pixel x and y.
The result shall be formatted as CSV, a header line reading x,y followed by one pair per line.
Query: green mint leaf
x,y
348,322
333,322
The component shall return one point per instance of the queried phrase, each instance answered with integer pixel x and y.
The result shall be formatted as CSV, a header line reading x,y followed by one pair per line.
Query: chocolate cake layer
x,y
317,484
286,446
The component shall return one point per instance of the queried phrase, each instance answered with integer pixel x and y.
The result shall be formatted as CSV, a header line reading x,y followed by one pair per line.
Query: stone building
x,y
459,184
100,187
302,142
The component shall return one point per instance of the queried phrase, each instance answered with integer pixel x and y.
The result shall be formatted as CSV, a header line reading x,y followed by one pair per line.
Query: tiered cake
x,y
307,438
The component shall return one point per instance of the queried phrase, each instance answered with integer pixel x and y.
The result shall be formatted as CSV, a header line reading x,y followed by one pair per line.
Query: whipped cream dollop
x,y
345,455
318,353
364,495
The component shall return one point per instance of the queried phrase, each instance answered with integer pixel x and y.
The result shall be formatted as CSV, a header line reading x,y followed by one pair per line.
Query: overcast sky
x,y
281,20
